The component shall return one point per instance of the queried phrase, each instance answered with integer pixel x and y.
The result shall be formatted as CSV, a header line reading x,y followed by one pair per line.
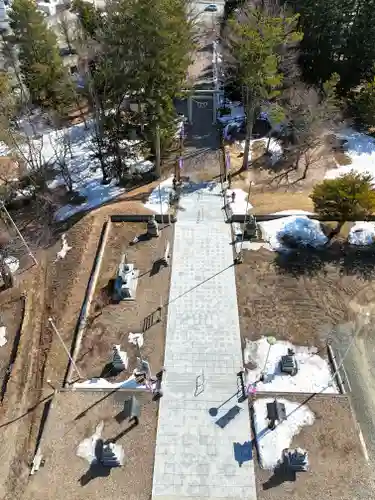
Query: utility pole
x,y
19,233
51,322
157,151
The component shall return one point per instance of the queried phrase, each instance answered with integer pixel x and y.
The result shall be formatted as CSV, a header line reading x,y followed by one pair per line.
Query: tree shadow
x,y
281,474
96,469
349,260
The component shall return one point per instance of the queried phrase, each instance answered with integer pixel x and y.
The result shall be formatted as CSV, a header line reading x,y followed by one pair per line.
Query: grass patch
x,y
267,203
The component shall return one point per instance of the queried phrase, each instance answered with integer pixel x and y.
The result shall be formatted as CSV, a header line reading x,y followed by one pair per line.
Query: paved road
x,y
195,458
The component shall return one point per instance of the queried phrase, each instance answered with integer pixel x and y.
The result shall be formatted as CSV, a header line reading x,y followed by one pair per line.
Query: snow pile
x,y
271,443
274,148
61,254
361,150
299,230
314,373
3,338
158,201
362,233
13,263
239,205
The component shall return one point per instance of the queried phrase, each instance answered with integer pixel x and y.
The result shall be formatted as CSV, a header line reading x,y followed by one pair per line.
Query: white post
x,y
19,234
64,346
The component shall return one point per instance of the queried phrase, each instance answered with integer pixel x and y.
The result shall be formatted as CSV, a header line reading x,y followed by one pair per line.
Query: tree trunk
x,y
336,231
268,142
249,132
157,152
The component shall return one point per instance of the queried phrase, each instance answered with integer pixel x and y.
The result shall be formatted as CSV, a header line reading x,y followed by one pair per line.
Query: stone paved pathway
x,y
195,458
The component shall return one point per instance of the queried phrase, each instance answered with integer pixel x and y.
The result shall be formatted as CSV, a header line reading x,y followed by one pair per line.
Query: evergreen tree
x,y
256,42
147,46
89,18
40,63
349,197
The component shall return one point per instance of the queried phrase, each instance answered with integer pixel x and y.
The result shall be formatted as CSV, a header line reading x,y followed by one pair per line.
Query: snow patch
x,y
292,211
314,373
74,147
3,338
300,229
361,150
61,254
86,448
158,201
240,203
362,233
271,443
136,339
13,263
236,112
101,383
274,148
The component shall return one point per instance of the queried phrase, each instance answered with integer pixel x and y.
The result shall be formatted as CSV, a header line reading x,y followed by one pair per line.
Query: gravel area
x,y
338,469
74,417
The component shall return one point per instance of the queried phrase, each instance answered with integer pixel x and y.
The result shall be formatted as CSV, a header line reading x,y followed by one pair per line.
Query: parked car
x,y
211,8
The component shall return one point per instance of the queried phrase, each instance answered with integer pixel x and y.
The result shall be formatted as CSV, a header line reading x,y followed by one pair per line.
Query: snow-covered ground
x,y
237,113
61,254
74,145
362,233
298,228
361,150
13,263
271,443
240,202
158,200
3,338
314,372
274,148
292,211
101,383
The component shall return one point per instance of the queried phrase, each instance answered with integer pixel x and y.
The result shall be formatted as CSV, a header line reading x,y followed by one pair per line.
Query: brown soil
x,y
11,316
302,298
56,289
65,475
112,323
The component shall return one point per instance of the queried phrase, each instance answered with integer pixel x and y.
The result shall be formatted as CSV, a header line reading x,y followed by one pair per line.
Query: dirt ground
x,y
54,288
338,469
11,316
271,189
303,296
67,476
112,323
